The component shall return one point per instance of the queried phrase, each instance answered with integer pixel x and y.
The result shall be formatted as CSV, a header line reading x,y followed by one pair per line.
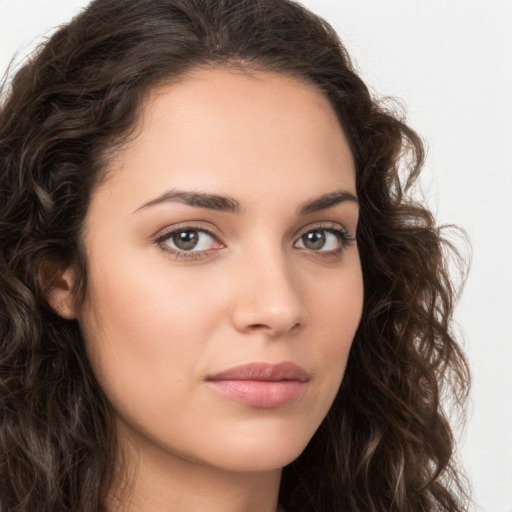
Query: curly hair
x,y
386,444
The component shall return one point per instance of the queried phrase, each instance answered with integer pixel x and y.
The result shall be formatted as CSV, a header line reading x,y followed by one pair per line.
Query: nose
x,y
270,298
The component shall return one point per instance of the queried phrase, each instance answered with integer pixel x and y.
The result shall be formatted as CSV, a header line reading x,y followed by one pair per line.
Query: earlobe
x,y
58,288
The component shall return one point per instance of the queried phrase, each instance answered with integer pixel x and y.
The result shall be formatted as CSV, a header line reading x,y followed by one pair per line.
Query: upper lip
x,y
263,372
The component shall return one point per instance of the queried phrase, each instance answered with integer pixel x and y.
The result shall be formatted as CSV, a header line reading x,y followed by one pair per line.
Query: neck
x,y
152,482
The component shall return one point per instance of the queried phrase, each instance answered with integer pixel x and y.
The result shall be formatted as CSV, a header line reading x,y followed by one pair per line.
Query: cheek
x,y
337,304
149,302
145,328
336,309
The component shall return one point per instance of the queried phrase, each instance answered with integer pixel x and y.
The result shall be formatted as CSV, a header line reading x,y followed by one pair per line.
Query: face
x,y
224,284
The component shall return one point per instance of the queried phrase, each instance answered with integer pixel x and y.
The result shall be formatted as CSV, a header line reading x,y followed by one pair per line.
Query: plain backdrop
x,y
449,62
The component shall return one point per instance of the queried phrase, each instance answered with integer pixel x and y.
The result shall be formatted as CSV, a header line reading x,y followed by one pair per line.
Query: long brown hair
x,y
386,444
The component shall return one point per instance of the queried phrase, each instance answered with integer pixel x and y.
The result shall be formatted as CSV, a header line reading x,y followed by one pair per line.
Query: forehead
x,y
224,128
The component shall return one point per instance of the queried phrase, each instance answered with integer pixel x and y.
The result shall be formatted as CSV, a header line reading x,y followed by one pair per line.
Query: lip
x,y
262,385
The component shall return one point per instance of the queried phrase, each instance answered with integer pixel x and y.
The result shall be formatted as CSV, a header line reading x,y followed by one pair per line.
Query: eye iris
x,y
314,240
185,240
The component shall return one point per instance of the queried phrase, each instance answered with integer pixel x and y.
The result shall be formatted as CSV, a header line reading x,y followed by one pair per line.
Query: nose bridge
x,y
270,297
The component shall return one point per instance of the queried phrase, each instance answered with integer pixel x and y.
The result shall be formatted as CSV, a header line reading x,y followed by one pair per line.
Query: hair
x,y
386,444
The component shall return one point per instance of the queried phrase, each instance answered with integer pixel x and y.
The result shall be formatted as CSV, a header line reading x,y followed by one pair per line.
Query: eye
x,y
194,241
324,239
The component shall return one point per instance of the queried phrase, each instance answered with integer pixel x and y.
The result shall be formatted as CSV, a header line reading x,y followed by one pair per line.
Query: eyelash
x,y
343,237
180,254
345,240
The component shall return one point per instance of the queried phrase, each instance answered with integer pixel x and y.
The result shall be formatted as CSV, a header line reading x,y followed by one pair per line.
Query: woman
x,y
194,196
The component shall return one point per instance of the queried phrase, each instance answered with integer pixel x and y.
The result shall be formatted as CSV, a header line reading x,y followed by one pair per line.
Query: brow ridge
x,y
327,201
199,199
229,204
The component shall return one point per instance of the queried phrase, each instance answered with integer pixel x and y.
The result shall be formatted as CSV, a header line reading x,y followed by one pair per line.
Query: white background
x,y
449,62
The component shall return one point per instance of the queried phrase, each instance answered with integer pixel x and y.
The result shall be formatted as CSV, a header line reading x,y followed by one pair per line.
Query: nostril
x,y
274,328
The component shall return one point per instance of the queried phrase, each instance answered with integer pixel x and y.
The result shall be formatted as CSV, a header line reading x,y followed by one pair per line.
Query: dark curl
x,y
385,445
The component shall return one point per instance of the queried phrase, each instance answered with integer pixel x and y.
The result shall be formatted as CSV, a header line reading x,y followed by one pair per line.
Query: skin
x,y
156,325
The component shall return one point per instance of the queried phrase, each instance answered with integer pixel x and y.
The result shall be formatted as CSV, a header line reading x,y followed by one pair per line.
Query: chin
x,y
262,449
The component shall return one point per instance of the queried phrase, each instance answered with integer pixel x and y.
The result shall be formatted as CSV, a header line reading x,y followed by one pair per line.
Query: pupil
x,y
185,240
314,240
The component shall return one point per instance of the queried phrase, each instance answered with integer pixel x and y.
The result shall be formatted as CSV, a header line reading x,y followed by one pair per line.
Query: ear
x,y
57,284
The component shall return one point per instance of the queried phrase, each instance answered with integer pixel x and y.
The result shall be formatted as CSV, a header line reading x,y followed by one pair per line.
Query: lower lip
x,y
256,393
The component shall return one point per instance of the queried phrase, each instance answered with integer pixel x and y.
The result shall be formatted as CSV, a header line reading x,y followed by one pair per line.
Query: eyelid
x,y
166,233
343,235
188,224
333,227
337,229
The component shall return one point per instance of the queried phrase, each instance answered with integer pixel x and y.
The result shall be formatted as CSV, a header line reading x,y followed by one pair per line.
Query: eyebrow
x,y
231,205
199,199
327,201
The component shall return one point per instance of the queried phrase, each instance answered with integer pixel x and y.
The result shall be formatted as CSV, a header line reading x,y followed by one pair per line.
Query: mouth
x,y
261,385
